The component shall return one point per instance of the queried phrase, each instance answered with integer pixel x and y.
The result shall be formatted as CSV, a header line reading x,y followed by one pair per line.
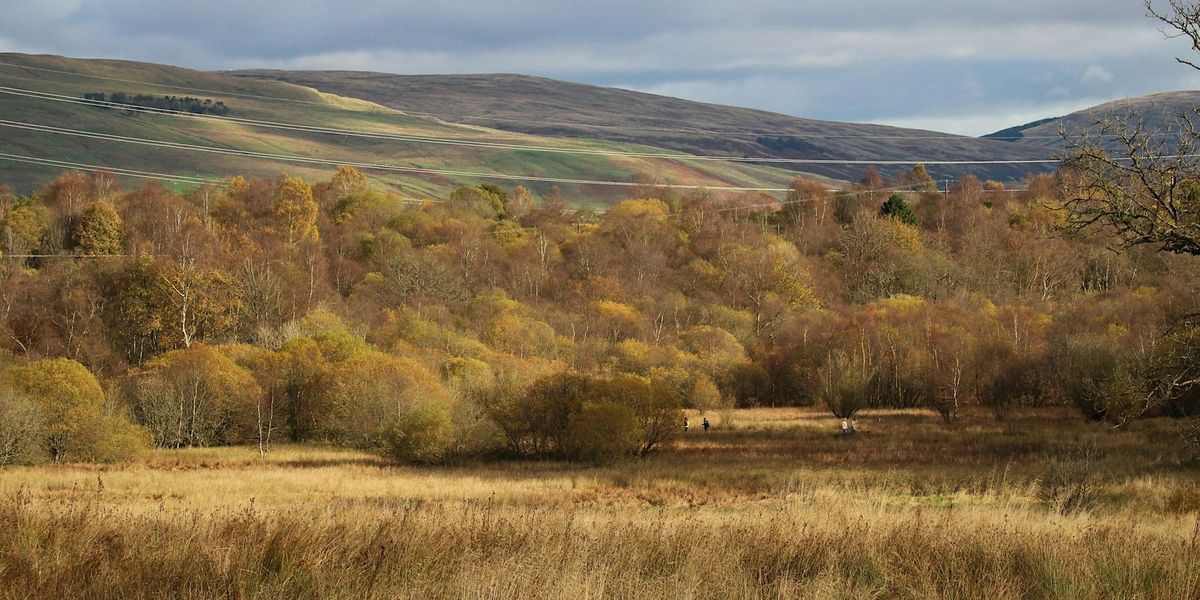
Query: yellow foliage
x,y
903,304
640,208
616,314
296,210
70,404
510,235
908,237
713,343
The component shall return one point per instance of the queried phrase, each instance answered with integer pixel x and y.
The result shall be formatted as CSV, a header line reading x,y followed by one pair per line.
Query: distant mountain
x,y
430,157
1157,111
1013,134
548,107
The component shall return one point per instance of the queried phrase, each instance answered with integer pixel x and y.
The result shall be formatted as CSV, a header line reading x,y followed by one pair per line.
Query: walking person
x,y
706,423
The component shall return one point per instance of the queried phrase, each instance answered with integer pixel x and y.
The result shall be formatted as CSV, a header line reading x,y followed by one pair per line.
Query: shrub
x,y
193,397
602,432
60,410
389,405
1104,382
846,381
20,422
587,418
421,434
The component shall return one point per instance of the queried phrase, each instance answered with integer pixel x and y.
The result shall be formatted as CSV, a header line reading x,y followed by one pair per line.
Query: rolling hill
x,y
561,109
42,115
1158,112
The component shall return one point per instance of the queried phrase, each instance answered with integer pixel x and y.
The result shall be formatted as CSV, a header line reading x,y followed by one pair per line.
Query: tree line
x,y
497,323
200,106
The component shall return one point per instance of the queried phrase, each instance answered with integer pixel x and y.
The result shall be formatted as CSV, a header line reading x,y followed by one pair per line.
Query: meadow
x,y
771,503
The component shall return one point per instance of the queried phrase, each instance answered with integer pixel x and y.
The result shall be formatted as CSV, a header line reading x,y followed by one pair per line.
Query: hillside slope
x,y
460,155
556,108
1158,111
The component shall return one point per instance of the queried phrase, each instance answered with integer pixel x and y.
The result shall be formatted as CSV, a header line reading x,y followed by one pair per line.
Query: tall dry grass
x,y
737,513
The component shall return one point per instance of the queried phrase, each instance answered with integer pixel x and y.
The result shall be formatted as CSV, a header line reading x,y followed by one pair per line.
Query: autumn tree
x,y
66,198
1145,190
846,380
486,200
65,408
1142,186
193,397
99,230
21,422
917,179
390,405
295,211
24,228
768,281
345,182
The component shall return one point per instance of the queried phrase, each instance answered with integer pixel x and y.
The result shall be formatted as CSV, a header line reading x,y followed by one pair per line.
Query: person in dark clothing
x,y
706,423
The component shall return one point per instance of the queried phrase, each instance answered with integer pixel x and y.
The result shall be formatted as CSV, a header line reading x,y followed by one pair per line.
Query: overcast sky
x,y
965,67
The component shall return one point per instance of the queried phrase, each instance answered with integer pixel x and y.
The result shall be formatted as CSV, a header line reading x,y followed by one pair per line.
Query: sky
x,y
956,66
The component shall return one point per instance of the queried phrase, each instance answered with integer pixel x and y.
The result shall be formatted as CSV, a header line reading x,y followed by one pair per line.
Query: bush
x,y
422,434
602,432
1068,484
1104,382
586,418
58,412
389,405
535,420
846,381
193,397
20,421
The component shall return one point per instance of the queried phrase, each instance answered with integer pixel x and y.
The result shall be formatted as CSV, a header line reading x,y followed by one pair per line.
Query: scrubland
x,y
770,503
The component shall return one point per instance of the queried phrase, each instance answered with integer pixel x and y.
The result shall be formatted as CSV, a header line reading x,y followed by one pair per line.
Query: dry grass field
x,y
769,504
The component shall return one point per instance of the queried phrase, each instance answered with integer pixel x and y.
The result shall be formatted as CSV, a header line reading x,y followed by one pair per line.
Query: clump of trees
x,y
55,410
576,416
261,311
200,106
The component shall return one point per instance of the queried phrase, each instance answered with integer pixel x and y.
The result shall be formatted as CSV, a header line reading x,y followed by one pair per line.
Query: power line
x,y
49,162
36,94
683,157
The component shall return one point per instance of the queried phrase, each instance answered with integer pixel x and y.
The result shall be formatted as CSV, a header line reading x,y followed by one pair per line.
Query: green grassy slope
x,y
284,102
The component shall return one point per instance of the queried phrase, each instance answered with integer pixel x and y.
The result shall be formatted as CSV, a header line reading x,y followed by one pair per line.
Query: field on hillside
x,y
562,109
770,503
289,104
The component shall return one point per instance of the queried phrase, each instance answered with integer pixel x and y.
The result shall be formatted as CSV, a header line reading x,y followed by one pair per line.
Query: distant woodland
x,y
261,311
168,103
